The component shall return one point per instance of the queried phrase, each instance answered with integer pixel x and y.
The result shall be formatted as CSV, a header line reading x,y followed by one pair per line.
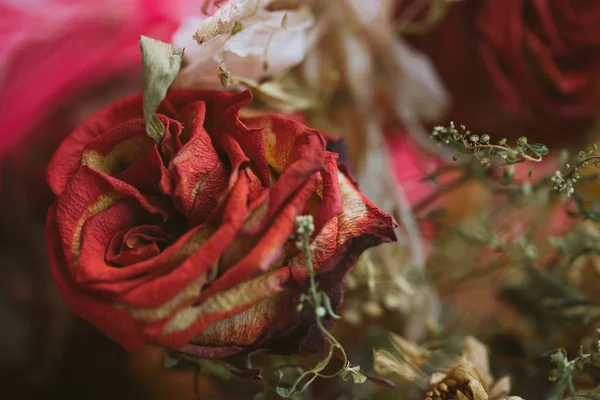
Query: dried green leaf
x,y
355,374
161,63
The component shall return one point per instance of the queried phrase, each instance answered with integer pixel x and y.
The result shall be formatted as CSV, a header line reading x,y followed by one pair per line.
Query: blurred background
x,y
508,70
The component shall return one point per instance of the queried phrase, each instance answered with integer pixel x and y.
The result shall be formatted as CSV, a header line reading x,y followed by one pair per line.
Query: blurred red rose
x,y
519,67
186,243
543,56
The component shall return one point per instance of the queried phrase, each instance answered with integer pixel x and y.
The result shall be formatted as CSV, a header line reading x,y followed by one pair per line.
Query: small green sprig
x,y
321,303
563,374
482,148
564,182
580,240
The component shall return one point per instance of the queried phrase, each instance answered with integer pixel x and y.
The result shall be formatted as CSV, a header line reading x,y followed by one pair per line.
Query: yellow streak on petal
x,y
245,294
194,242
119,158
320,190
256,216
199,185
104,202
243,328
190,292
274,155
355,210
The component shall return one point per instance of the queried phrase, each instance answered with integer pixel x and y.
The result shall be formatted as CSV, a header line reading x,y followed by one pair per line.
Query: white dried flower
x,y
250,40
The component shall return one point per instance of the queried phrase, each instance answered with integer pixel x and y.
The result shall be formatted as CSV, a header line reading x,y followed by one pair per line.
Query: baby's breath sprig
x,y
321,303
482,147
563,373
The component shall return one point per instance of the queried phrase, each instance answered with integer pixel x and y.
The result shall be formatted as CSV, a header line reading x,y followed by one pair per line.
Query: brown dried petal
x,y
476,353
500,388
390,367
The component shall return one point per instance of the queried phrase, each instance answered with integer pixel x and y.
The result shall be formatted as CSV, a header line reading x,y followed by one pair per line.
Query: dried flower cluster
x,y
440,374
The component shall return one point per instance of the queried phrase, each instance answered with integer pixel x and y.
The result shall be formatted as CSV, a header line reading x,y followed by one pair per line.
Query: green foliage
x,y
482,148
564,182
563,374
320,302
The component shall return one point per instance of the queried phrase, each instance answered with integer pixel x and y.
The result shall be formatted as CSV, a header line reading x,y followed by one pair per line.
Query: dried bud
x,y
522,142
512,155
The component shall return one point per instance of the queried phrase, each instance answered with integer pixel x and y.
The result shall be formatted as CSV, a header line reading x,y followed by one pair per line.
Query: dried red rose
x,y
519,67
186,243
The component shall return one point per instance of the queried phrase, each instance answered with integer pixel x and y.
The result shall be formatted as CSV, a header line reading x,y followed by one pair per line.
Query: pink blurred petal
x,y
53,49
411,165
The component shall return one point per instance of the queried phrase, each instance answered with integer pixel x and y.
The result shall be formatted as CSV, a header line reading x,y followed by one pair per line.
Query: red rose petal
x,y
331,200
114,283
188,322
67,158
224,126
269,247
360,226
197,263
134,244
199,175
88,193
115,323
293,151
148,174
